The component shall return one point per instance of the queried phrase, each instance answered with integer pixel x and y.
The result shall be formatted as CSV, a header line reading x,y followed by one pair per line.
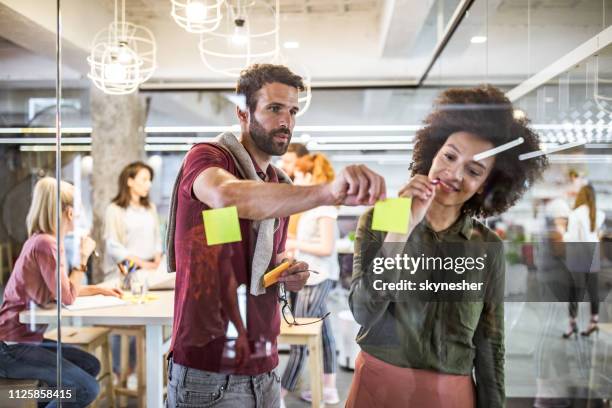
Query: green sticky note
x,y
221,225
392,215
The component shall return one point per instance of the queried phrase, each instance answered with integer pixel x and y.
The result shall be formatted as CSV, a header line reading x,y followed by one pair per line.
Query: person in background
x,y
288,160
131,224
552,275
576,182
315,243
24,354
439,353
132,234
582,256
552,281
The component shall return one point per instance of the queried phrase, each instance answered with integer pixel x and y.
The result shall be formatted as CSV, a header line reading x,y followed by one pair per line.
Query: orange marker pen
x,y
270,278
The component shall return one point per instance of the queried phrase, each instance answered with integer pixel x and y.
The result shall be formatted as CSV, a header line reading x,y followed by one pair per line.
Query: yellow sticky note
x,y
392,215
128,297
221,225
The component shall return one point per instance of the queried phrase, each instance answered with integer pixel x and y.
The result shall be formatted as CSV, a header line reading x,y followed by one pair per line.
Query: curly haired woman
x,y
434,352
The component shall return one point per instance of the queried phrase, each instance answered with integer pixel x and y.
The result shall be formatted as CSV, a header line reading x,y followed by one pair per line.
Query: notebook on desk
x,y
94,302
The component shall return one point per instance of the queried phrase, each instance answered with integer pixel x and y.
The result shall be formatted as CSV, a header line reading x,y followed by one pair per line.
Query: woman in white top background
x,y
131,233
315,243
131,227
582,256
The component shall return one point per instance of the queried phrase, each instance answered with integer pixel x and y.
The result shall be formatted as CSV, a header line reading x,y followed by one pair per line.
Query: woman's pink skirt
x,y
380,384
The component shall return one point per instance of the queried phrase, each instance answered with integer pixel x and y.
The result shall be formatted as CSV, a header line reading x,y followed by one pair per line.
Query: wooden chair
x,y
121,390
92,340
7,385
309,335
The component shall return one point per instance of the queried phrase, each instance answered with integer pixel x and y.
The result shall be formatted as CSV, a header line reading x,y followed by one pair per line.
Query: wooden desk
x,y
311,337
153,315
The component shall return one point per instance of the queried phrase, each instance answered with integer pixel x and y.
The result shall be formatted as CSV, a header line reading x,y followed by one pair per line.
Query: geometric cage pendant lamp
x,y
247,34
197,16
122,56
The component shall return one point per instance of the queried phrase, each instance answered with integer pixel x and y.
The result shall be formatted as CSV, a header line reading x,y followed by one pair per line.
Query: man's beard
x,y
265,140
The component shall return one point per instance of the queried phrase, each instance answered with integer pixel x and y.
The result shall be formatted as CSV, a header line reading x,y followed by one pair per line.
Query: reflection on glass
x,y
566,364
554,349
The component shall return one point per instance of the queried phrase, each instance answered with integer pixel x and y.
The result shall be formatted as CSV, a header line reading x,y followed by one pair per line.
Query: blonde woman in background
x,y
315,243
583,257
23,352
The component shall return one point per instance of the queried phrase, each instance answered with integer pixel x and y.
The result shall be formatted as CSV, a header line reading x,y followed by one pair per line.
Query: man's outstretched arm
x,y
354,185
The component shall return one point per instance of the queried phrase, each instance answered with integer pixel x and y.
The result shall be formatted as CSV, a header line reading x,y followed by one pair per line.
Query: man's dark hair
x,y
298,148
487,113
253,78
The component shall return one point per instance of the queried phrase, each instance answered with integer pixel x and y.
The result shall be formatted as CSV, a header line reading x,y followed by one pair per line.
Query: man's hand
x,y
357,185
295,276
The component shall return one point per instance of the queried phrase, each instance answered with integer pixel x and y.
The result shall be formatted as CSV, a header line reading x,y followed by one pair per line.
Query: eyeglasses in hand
x,y
287,313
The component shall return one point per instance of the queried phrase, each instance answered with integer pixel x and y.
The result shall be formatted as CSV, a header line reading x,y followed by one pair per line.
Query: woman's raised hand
x,y
422,190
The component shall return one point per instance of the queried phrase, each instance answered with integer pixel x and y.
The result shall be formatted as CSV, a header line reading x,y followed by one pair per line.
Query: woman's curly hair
x,y
487,113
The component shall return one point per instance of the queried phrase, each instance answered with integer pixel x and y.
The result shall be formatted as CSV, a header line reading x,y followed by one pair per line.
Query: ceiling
x,y
345,43
340,41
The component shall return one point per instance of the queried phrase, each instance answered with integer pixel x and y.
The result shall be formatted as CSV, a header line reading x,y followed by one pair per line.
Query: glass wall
x,y
555,87
28,249
131,111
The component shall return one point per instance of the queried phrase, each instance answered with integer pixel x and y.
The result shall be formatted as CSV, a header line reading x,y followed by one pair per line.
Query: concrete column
x,y
117,139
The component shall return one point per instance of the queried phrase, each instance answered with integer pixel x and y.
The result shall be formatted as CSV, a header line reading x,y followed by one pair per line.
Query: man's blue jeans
x,y
189,387
38,361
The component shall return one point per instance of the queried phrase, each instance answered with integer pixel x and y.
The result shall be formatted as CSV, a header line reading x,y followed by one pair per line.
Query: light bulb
x,y
125,55
115,71
240,36
239,39
196,11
